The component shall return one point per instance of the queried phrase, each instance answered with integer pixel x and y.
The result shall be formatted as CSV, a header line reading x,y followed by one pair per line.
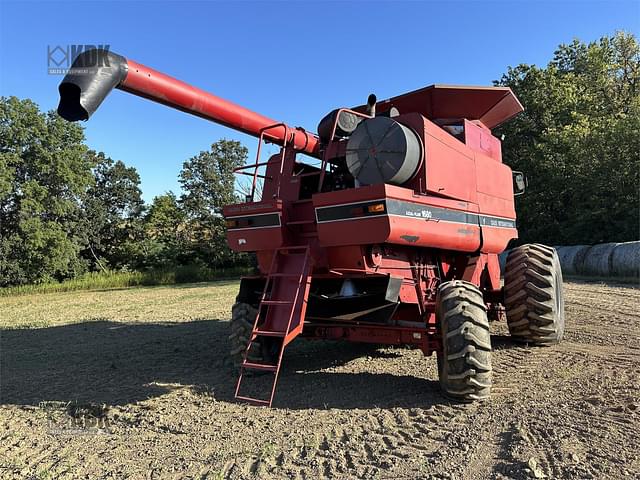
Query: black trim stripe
x,y
261,220
400,208
348,211
496,222
415,210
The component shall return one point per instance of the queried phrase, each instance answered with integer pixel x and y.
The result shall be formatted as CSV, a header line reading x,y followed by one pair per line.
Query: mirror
x,y
519,183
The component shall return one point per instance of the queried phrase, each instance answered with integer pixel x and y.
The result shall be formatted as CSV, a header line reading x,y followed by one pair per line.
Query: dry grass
x,y
173,303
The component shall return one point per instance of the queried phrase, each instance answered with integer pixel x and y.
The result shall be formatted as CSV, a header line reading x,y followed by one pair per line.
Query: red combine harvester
x,y
385,227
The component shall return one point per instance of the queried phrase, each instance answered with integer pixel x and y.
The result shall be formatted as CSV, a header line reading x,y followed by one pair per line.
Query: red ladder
x,y
280,315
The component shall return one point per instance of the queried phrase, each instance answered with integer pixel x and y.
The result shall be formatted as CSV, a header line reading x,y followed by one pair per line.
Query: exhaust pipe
x,y
95,73
371,105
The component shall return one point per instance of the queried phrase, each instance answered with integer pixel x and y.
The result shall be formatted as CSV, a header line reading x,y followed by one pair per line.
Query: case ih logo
x,y
61,57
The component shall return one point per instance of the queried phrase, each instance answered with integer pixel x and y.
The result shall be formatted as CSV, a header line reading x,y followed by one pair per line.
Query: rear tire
x,y
243,316
533,295
263,349
464,366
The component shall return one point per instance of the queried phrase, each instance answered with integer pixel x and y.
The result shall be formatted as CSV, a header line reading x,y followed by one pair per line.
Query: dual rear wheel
x,y
533,295
535,315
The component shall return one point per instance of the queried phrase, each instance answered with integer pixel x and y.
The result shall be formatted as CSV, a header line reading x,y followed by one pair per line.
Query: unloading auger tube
x,y
95,73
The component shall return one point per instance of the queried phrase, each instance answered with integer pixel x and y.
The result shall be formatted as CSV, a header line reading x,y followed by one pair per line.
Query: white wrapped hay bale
x,y
572,258
597,260
603,260
625,260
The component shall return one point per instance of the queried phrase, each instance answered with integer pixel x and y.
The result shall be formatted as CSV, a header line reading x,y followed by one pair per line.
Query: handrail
x,y
288,137
285,139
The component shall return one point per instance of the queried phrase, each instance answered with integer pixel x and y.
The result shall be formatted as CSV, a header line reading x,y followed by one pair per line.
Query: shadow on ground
x,y
105,362
174,286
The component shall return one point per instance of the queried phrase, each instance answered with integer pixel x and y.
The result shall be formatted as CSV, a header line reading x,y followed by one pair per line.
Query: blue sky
x,y
292,61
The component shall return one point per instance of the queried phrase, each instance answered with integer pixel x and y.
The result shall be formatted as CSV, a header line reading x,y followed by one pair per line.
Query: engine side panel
x,y
389,214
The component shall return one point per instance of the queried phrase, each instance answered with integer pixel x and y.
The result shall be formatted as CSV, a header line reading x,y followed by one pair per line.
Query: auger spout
x,y
89,82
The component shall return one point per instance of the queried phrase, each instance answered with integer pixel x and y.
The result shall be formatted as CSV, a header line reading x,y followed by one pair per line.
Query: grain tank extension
x,y
384,227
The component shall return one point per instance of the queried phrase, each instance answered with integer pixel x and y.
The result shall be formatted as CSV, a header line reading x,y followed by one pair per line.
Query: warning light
x,y
378,207
230,223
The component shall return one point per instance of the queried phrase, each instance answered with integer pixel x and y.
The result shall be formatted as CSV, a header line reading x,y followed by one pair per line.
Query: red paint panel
x,y
480,140
347,258
507,107
450,169
449,173
250,240
495,197
495,240
499,207
490,105
363,231
370,192
425,233
494,180
407,194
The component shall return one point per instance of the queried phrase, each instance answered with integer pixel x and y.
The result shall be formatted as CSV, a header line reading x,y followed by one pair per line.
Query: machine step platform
x,y
280,319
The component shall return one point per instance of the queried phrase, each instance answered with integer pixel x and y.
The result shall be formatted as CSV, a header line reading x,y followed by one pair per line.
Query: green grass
x,y
110,280
155,304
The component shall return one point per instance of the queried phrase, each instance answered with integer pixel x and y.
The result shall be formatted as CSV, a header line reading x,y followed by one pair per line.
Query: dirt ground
x,y
135,384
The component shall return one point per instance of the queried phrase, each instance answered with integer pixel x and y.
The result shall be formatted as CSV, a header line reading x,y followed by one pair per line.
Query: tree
x,y
113,207
207,179
209,184
166,243
578,141
44,173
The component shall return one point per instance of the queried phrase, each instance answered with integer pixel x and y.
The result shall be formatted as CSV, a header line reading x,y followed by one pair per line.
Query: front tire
x,y
464,366
533,295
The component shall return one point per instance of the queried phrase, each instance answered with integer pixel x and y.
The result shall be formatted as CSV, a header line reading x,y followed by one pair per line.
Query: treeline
x,y
578,141
66,210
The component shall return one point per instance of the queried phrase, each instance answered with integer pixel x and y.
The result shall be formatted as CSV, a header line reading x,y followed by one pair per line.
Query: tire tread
x,y
535,314
465,364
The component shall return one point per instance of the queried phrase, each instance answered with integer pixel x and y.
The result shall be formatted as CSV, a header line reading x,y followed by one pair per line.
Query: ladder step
x,y
276,302
253,400
259,366
301,222
292,294
292,254
269,333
